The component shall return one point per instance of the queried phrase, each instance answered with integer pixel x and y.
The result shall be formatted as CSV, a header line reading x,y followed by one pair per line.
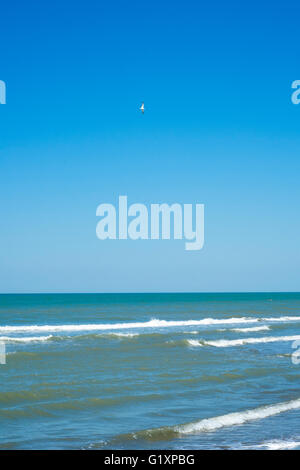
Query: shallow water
x,y
171,371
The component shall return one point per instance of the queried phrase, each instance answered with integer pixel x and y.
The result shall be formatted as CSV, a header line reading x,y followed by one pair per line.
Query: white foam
x,y
124,335
194,342
279,445
281,319
247,330
28,339
232,419
224,343
154,323
275,444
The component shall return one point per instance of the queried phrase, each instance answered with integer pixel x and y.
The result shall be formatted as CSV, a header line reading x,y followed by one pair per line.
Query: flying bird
x,y
142,108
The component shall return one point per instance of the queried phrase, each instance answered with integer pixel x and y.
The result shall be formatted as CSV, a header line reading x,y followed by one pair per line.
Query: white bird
x,y
142,108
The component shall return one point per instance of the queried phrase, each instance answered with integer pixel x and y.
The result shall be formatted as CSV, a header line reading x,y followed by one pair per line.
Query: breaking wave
x,y
29,339
224,343
247,330
242,417
154,323
276,444
211,424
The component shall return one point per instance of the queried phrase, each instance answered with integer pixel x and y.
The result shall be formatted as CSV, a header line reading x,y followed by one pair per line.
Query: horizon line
x,y
150,292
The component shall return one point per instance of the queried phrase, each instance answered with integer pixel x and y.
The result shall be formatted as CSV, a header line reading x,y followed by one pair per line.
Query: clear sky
x,y
219,129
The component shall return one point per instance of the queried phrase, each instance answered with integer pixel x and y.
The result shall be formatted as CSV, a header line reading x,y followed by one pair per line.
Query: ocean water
x,y
150,371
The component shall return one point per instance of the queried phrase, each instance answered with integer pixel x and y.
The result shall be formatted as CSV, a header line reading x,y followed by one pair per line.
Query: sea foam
x,y
275,444
226,343
29,339
232,419
247,330
154,323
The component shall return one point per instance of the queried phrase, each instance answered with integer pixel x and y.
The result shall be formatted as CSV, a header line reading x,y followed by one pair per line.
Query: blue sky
x,y
219,129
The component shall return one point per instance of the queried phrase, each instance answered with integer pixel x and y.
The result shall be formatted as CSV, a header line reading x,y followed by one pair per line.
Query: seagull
x,y
142,108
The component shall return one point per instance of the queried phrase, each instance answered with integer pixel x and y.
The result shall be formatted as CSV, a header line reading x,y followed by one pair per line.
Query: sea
x,y
150,371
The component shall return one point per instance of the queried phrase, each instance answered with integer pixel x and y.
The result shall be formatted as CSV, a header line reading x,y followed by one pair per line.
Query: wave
x,y
211,424
154,323
281,319
123,335
56,338
49,408
247,330
29,339
224,343
242,417
276,444
195,342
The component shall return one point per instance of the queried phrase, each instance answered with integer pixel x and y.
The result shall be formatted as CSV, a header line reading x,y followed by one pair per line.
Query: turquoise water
x,y
126,371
